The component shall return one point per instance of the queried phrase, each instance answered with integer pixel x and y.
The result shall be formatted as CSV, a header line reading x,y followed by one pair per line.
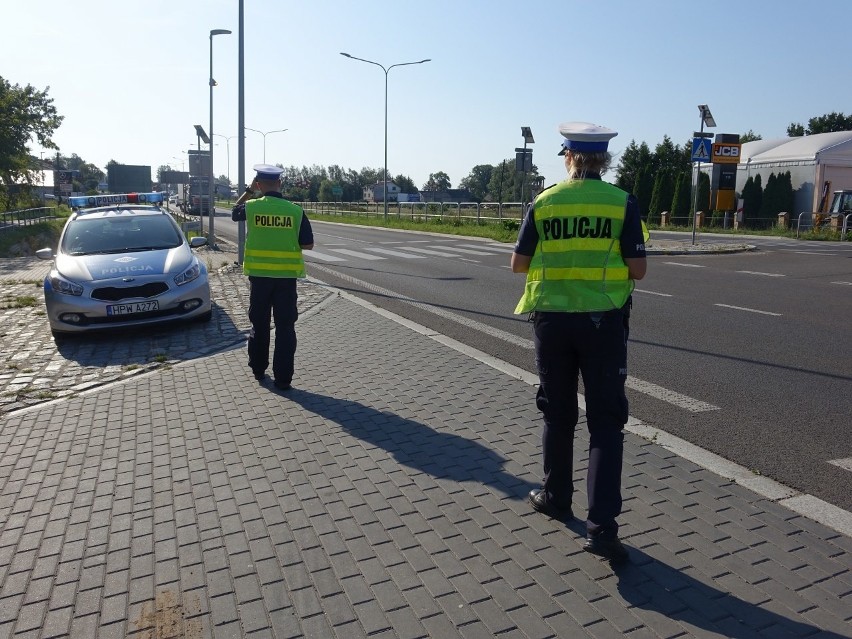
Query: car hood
x,y
117,265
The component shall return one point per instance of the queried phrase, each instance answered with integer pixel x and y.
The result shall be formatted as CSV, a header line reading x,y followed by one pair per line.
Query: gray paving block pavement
x,y
384,496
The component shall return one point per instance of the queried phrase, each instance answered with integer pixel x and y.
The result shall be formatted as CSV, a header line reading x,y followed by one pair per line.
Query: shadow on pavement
x,y
440,454
648,584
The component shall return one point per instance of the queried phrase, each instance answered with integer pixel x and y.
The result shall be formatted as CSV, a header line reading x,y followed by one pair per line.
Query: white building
x,y
818,162
375,192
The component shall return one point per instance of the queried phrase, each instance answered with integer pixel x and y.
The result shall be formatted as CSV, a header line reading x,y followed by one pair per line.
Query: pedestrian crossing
x,y
337,253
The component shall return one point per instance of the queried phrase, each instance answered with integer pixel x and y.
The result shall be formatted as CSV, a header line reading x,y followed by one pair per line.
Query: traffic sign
x,y
701,149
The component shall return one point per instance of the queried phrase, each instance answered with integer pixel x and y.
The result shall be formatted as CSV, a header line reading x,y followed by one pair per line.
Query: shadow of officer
x,y
651,585
441,454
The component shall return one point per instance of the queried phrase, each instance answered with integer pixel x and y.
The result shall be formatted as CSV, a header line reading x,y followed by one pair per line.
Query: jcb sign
x,y
726,153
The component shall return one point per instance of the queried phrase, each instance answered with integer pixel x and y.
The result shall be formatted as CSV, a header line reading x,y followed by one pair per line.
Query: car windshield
x,y
120,234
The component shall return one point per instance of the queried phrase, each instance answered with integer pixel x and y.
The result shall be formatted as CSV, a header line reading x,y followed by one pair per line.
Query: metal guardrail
x,y
810,225
26,217
467,211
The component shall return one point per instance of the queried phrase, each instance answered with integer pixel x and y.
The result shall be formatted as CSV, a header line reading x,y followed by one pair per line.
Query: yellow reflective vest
x,y
272,238
577,265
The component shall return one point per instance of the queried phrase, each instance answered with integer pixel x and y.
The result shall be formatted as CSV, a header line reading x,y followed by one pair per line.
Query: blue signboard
x,y
701,149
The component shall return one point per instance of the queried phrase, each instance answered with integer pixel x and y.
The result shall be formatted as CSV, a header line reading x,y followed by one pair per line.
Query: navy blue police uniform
x,y
594,345
273,297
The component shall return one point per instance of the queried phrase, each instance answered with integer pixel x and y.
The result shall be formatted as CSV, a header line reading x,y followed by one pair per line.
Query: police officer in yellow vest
x,y
581,245
277,231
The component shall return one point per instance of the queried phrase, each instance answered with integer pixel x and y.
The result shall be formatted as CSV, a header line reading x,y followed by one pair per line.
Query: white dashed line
x,y
639,290
845,464
666,395
682,264
759,273
407,256
750,310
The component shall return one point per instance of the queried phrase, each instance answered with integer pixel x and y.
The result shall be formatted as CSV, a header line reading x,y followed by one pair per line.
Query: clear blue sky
x,y
130,77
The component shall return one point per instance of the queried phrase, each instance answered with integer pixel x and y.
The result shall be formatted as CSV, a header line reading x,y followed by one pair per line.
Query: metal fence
x,y
26,217
470,212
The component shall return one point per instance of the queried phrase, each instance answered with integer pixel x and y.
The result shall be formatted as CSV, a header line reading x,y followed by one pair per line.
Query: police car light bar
x,y
82,201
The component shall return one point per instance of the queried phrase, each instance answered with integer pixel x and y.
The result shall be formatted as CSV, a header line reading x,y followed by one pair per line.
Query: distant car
x,y
124,262
173,199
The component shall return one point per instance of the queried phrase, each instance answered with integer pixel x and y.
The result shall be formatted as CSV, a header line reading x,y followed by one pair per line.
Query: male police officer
x,y
277,233
581,246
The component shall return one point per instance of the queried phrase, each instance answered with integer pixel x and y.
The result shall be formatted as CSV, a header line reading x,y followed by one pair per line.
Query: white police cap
x,y
268,171
585,137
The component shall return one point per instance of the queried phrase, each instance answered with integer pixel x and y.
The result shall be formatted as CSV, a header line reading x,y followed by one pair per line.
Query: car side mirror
x,y
45,254
197,241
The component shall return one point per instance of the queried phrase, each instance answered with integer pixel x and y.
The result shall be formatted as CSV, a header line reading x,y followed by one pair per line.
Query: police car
x,y
122,260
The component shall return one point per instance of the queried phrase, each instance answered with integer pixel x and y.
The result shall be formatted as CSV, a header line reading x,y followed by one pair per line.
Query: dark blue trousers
x,y
273,297
593,345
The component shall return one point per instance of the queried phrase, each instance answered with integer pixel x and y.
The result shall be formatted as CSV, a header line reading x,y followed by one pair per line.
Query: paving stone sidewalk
x,y
384,496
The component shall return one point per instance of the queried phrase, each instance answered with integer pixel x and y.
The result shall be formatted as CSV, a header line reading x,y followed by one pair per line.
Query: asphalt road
x,y
745,354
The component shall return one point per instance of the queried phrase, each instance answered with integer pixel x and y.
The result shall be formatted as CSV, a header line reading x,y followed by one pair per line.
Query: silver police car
x,y
123,262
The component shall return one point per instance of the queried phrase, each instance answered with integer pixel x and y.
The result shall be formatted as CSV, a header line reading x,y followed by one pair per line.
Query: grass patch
x,y
507,231
21,301
26,240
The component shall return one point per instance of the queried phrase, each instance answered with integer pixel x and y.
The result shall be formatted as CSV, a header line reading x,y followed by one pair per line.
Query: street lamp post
x,y
264,137
386,70
706,118
228,151
211,208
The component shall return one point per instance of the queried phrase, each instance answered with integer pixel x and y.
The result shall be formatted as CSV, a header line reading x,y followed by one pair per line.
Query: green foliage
x,y
643,188
682,192
631,161
661,196
703,192
769,204
25,114
827,123
478,180
749,136
439,181
752,198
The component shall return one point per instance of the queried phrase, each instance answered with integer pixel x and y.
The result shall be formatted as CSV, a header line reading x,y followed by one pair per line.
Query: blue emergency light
x,y
83,201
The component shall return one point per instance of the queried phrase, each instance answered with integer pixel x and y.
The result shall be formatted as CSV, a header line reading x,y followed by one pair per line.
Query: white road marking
x,y
750,310
811,253
844,283
677,399
639,290
845,464
428,252
490,247
363,256
759,273
324,257
407,256
462,250
682,264
670,396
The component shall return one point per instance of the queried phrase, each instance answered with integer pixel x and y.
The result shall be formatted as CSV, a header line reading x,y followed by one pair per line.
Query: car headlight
x,y
188,275
61,285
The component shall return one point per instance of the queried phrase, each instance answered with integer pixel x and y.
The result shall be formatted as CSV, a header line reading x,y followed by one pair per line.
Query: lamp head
x,y
219,32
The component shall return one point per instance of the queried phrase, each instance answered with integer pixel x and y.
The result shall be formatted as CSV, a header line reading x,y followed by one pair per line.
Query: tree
x,y
769,204
643,189
752,198
682,193
25,113
661,196
703,192
749,136
478,180
827,123
786,196
325,191
405,184
439,181
631,161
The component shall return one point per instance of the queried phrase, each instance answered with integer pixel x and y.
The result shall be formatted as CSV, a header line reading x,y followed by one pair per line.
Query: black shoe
x,y
282,385
607,546
259,376
538,499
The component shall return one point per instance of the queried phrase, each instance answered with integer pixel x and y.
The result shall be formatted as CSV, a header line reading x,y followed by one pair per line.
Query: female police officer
x,y
581,246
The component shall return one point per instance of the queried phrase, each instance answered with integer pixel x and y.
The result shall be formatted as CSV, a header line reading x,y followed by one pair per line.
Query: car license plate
x,y
133,307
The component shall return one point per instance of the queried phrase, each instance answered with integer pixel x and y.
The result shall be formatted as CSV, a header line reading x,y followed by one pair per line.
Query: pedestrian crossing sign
x,y
701,149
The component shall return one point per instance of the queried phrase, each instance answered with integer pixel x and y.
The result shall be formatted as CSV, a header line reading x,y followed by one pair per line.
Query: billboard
x,y
174,177
128,178
199,162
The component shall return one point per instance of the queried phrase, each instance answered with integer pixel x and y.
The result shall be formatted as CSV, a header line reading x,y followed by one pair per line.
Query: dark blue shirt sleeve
x,y
238,213
306,233
632,238
528,235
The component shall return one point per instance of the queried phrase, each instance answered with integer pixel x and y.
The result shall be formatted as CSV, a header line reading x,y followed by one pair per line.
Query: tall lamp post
x,y
264,134
706,118
211,210
228,139
386,70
